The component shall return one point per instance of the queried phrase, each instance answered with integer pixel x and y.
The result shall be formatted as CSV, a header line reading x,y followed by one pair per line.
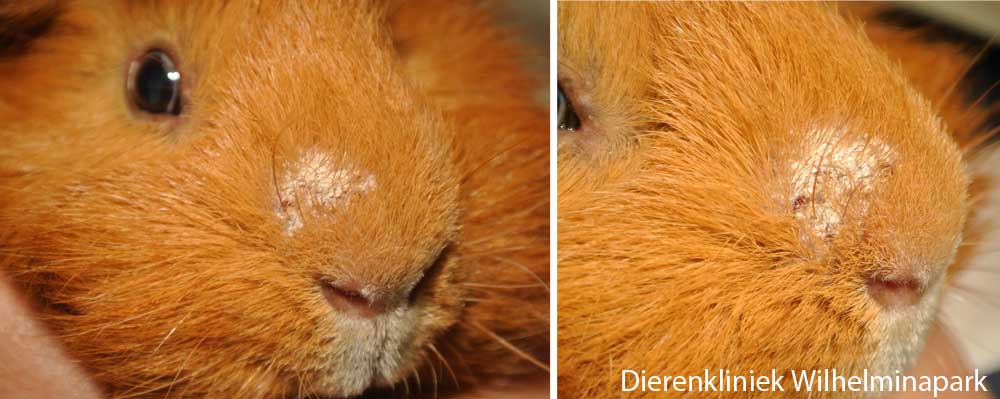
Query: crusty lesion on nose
x,y
832,177
319,183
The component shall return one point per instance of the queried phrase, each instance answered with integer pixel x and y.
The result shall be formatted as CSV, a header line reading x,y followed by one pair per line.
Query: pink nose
x,y
894,291
350,299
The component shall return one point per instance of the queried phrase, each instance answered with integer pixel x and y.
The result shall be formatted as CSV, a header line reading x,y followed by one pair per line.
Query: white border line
x,y
553,213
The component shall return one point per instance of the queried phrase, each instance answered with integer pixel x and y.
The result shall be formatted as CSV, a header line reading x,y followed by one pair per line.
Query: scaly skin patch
x,y
315,182
835,174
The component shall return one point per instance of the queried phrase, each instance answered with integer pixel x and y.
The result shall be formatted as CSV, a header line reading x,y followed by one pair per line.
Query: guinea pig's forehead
x,y
604,36
338,33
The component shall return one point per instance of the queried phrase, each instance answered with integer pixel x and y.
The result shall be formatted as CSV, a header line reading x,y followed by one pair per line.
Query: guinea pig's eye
x,y
154,84
568,120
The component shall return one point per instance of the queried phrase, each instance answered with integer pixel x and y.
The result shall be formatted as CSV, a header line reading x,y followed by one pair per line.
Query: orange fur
x,y
936,69
154,246
740,172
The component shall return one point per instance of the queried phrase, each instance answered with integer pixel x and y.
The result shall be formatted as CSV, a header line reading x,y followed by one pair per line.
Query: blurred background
x,y
531,20
977,17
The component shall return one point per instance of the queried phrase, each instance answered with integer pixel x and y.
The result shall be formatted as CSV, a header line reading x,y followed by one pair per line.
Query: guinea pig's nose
x,y
351,298
895,291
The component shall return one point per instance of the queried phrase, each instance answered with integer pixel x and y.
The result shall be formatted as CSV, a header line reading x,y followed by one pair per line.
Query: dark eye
x,y
568,120
154,84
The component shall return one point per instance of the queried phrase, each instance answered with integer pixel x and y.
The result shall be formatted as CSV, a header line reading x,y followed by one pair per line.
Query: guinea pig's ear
x,y
22,22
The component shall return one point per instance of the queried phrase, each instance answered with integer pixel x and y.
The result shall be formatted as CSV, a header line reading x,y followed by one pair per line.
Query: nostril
x,y
348,299
893,291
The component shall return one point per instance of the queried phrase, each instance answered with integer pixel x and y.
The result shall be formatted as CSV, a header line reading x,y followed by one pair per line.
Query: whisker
x,y
446,365
103,327
503,342
525,269
502,286
979,55
975,145
457,355
181,368
489,160
420,387
434,375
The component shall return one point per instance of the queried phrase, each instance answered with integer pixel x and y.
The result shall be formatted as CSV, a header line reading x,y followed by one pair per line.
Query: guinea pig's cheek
x,y
317,182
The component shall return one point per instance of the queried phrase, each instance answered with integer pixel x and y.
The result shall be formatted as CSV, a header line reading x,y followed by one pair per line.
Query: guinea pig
x,y
275,199
751,186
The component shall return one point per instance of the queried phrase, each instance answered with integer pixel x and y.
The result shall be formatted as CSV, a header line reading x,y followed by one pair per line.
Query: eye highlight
x,y
154,84
568,120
